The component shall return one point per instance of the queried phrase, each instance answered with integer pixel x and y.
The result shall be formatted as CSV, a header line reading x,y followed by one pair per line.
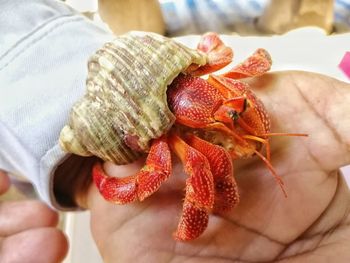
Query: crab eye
x,y
234,115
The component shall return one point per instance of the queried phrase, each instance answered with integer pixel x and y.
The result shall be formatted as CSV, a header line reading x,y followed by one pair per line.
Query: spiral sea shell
x,y
125,105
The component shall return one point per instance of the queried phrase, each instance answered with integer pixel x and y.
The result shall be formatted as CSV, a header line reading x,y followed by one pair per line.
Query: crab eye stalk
x,y
234,115
238,104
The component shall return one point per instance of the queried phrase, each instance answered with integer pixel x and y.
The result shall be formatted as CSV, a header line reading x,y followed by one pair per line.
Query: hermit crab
x,y
145,95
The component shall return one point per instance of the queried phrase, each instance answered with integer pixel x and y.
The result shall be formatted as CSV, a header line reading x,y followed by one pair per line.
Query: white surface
x,y
307,49
82,247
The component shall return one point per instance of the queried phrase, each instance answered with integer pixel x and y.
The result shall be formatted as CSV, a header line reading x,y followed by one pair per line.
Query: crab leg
x,y
255,65
219,55
226,192
199,197
140,185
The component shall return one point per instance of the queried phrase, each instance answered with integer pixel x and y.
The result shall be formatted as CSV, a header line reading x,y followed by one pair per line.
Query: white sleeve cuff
x,y
44,48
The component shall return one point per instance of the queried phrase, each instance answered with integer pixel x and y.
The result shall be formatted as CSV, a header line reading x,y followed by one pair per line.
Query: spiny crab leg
x,y
255,65
226,192
218,55
199,196
140,185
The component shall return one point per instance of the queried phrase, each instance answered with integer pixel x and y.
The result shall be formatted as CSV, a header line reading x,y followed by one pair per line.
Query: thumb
x,y
112,170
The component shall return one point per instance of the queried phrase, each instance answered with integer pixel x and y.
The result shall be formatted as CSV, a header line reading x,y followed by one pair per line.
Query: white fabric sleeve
x,y
44,47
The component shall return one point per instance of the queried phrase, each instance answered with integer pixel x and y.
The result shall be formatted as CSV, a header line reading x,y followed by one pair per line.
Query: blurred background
x,y
245,17
253,18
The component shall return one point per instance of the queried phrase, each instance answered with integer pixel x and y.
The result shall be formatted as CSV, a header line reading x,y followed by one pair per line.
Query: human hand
x,y
27,231
311,225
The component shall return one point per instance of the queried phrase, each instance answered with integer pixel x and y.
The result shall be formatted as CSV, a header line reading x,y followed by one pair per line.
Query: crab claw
x,y
219,55
140,185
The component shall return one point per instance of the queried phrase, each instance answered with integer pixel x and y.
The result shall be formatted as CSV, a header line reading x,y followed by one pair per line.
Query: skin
x,y
311,225
25,228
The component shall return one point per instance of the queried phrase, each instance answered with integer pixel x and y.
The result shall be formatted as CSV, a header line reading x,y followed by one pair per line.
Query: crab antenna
x,y
249,129
255,137
222,127
284,134
272,170
263,141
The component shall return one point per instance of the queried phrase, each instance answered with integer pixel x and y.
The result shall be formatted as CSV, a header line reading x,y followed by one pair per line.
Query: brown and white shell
x,y
125,105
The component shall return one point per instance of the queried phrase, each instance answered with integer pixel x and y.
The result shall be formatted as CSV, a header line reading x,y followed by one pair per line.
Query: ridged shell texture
x,y
125,105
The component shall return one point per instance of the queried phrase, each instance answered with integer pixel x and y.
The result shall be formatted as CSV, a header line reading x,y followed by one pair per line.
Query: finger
x,y
17,216
39,245
123,170
4,182
111,170
328,130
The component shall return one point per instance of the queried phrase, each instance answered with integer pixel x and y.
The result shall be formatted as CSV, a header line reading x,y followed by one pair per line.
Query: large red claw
x,y
219,55
140,185
193,101
255,65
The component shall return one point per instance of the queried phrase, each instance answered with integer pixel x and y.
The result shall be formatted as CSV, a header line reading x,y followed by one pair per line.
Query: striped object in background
x,y
184,17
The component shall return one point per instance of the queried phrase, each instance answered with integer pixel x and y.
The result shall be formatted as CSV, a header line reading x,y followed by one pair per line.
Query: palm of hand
x,y
265,226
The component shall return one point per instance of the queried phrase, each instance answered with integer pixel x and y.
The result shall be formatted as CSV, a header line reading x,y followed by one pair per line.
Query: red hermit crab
x,y
144,96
